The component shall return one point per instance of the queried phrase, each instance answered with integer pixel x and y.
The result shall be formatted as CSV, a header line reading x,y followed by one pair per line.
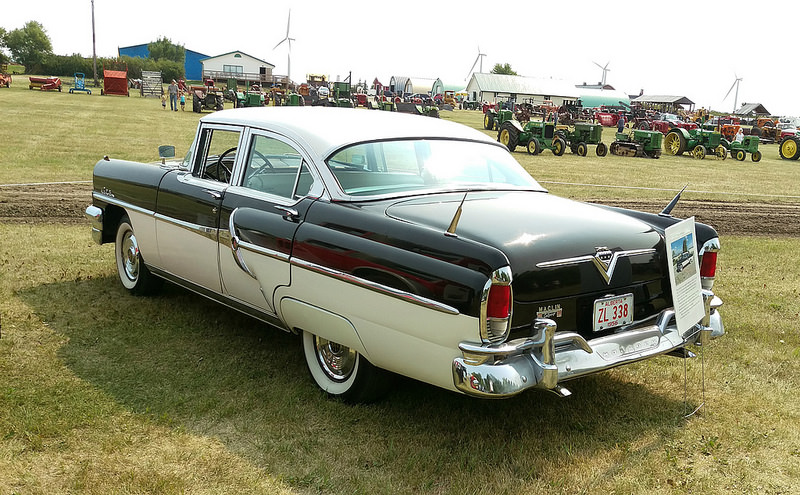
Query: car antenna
x,y
666,211
451,230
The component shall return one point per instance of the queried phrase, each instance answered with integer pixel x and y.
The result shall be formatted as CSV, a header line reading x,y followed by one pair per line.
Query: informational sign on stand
x,y
684,274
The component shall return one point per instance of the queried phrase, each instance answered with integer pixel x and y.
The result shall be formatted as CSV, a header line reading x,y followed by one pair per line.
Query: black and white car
x,y
399,244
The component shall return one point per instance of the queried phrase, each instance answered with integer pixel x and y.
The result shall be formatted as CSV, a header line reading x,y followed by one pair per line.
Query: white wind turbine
x,y
479,58
288,41
605,69
736,82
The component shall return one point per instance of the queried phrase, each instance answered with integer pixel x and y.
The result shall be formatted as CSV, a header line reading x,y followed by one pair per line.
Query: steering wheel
x,y
218,170
266,164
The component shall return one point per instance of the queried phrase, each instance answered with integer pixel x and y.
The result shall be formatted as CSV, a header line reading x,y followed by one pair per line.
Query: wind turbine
x,y
288,40
605,69
479,58
736,95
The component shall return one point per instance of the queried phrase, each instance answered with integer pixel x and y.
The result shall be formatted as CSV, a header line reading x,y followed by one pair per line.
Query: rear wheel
x,y
674,143
789,149
508,136
131,269
699,152
740,155
342,372
756,156
533,147
559,145
601,149
581,149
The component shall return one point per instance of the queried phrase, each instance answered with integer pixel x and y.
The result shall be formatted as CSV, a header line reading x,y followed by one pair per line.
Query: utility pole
x,y
94,51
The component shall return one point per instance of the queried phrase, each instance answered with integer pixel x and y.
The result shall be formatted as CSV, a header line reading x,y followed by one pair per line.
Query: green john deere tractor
x,y
535,136
639,143
699,142
581,136
740,149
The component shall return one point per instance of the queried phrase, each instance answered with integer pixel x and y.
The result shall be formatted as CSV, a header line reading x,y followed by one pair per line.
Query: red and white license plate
x,y
611,312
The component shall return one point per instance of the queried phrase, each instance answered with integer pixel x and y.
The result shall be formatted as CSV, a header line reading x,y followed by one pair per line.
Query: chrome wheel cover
x,y
336,360
129,255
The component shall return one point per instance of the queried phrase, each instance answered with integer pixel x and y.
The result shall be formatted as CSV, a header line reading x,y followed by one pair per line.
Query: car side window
x,y
219,148
275,167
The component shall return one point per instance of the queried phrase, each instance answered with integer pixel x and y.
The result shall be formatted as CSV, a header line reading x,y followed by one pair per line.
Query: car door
x,y
260,215
188,209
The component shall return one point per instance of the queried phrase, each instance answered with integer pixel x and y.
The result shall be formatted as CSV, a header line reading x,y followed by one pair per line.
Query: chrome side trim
x,y
383,289
228,301
122,204
234,244
208,232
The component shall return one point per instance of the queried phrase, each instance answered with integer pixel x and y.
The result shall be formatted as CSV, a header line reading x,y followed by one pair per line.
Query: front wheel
x,y
601,149
131,269
699,152
756,156
533,147
721,152
342,372
581,149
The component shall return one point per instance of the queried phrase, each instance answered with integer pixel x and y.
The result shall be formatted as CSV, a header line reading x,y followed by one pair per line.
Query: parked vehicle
x,y
581,135
535,136
699,142
637,143
394,243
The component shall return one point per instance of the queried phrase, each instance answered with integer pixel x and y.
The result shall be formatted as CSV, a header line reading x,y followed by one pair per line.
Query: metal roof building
x,y
665,103
752,109
494,87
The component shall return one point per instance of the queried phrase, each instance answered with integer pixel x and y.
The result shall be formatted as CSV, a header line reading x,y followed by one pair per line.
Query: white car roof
x,y
326,129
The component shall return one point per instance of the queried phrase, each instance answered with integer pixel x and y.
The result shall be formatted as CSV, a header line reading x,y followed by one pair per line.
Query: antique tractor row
x,y
537,136
700,142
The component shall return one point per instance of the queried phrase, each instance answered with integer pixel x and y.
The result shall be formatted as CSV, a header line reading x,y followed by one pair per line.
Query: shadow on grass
x,y
186,362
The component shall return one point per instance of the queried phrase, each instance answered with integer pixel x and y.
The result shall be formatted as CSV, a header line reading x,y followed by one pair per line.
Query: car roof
x,y
325,129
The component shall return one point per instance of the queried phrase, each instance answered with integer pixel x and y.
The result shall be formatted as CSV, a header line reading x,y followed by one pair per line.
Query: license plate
x,y
611,312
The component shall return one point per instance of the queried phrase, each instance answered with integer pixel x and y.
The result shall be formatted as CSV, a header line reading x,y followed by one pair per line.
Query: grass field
x,y
103,393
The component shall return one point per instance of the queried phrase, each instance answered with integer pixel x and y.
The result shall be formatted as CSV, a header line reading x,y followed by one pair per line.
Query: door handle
x,y
288,213
214,194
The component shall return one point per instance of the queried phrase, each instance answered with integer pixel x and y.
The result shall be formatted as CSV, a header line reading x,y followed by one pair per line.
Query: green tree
x,y
3,56
29,45
165,49
504,69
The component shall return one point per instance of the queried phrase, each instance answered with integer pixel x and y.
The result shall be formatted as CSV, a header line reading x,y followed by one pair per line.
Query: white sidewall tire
x,y
123,228
326,383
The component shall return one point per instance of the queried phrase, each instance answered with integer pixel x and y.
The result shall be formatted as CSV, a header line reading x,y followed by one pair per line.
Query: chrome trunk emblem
x,y
604,260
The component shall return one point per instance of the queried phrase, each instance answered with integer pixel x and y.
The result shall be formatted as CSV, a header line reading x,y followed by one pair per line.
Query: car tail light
x,y
708,267
708,263
496,307
499,304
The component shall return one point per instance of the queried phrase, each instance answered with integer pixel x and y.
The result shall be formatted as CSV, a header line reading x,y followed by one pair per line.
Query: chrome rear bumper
x,y
548,358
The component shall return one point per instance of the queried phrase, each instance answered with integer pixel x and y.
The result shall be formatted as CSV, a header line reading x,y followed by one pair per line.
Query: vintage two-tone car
x,y
397,243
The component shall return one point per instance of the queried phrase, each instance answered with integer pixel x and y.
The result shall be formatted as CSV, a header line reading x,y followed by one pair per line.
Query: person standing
x,y
621,123
173,96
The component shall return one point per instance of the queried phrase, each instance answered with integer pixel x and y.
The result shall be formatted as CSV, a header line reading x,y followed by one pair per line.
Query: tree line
x,y
30,46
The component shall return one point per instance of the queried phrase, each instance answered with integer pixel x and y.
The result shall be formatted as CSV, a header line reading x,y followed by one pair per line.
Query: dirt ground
x,y
65,203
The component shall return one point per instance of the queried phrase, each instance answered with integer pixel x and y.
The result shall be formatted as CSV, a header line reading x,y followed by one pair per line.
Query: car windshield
x,y
406,166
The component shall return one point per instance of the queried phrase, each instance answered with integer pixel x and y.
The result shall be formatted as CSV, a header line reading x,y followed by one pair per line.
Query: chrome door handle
x,y
288,213
214,194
